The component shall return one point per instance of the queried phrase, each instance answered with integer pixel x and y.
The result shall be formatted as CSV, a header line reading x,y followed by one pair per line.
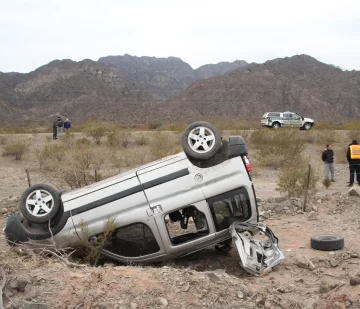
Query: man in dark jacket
x,y
328,159
60,126
55,128
353,157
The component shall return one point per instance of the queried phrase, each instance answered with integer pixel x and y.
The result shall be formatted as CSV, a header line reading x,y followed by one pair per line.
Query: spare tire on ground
x,y
201,140
40,203
327,242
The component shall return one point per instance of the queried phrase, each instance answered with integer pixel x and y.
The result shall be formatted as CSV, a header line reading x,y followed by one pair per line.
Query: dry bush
x,y
3,140
355,134
113,138
125,138
50,153
142,140
276,148
83,141
97,131
90,247
154,125
292,180
164,144
15,147
326,182
74,164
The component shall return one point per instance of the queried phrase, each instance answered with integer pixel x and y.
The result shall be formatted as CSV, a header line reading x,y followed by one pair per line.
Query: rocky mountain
x,y
166,77
132,90
300,83
84,90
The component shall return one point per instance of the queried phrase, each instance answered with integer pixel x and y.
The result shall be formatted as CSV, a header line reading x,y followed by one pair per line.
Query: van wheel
x,y
201,140
39,203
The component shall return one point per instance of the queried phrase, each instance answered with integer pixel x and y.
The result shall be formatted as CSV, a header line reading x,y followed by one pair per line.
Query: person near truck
x,y
328,159
60,126
353,157
55,129
67,124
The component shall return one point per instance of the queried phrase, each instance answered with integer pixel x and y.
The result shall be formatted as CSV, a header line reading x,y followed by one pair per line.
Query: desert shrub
x,y
141,140
90,247
276,148
3,140
125,138
15,148
83,141
354,134
113,138
154,125
52,152
164,144
97,131
326,183
292,180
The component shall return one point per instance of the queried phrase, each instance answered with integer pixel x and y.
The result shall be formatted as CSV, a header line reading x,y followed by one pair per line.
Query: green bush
x,y
292,180
97,131
15,148
276,148
164,144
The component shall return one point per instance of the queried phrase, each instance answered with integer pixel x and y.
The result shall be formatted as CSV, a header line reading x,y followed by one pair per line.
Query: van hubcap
x,y
39,203
201,139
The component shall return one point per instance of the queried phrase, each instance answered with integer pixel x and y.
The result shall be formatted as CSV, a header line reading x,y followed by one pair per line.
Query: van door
x,y
121,203
178,205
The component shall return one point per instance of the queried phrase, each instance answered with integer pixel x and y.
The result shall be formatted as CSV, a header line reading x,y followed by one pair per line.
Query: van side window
x,y
229,207
132,241
186,224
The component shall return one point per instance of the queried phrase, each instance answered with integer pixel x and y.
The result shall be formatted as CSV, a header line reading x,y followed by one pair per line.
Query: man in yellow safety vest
x,y
353,157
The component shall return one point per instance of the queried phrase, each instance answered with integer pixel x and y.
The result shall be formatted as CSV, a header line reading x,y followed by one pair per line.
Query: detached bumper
x,y
256,256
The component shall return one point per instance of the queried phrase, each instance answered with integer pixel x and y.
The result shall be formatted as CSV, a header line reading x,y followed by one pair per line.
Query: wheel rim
x,y
275,126
201,140
39,203
307,126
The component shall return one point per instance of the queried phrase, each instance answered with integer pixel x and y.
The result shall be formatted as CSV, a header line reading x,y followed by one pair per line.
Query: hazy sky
x,y
35,32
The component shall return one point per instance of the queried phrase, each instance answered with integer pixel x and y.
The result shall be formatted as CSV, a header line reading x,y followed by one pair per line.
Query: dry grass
x,y
165,144
15,147
292,180
277,148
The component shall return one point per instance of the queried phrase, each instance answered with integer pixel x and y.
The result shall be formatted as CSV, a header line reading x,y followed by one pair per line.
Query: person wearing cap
x,y
328,159
353,157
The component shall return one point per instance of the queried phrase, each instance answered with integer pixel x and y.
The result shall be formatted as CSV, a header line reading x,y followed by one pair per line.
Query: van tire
x,y
201,140
327,242
44,207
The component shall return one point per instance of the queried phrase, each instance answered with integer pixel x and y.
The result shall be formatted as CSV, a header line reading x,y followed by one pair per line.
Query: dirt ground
x,y
206,279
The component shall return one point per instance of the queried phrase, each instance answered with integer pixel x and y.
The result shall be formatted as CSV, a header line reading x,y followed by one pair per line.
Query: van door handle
x,y
156,209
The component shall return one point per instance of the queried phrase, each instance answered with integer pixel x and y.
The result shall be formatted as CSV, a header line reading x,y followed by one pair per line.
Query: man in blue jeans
x,y
328,159
353,157
60,126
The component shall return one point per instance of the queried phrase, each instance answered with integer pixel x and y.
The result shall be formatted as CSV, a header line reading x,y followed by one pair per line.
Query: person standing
x,y
67,124
55,129
328,159
353,157
60,126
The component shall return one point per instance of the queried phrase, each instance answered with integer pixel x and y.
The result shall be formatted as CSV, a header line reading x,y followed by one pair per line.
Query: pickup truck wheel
x,y
40,203
307,126
327,242
275,125
201,140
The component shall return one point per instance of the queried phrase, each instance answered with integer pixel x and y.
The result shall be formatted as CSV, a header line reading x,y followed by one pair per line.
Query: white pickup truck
x,y
276,120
